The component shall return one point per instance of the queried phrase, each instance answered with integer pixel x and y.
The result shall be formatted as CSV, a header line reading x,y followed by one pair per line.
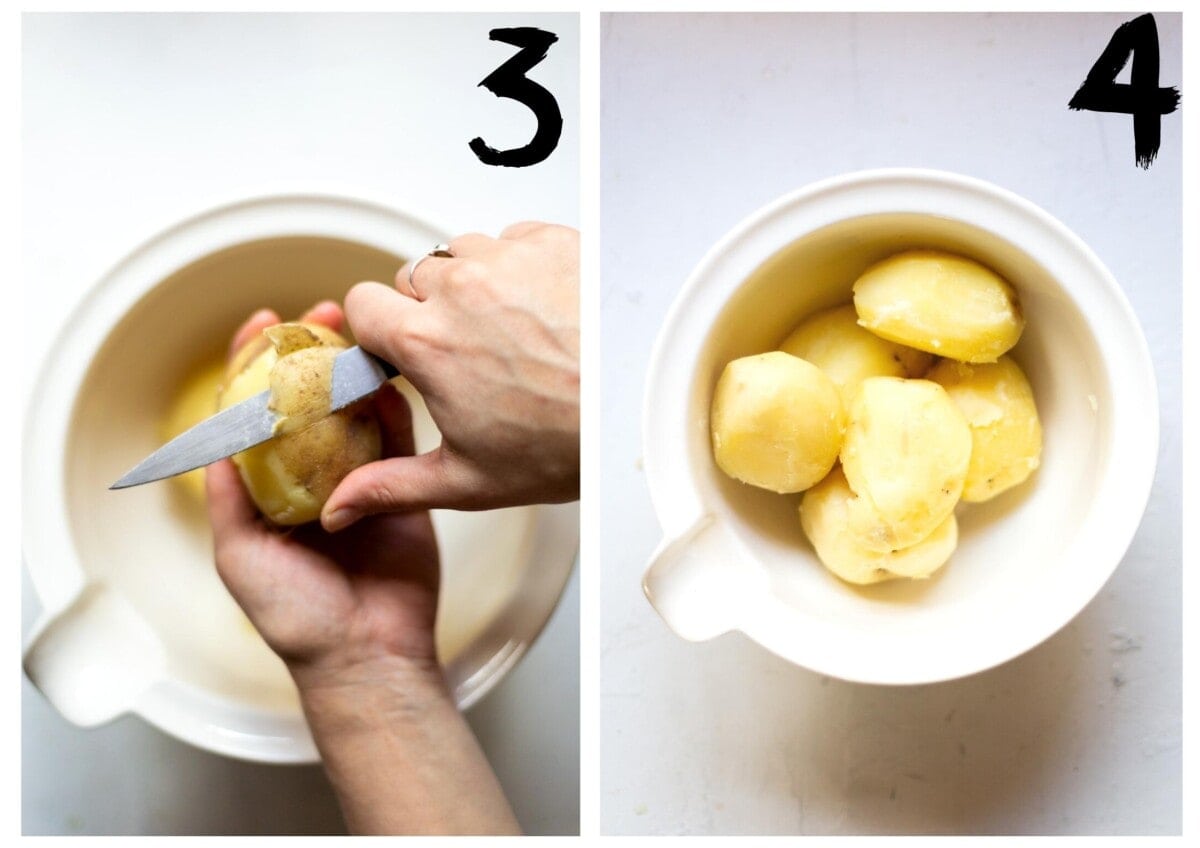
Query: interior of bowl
x,y
1007,545
152,543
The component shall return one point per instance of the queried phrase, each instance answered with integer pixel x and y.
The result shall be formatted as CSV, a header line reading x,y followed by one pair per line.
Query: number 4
x,y
1141,97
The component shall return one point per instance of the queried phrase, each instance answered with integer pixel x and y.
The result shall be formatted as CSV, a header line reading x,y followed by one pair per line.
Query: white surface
x,y
705,119
131,122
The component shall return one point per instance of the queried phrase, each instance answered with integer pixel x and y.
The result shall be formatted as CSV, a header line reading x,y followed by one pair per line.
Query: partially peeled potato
x,y
291,476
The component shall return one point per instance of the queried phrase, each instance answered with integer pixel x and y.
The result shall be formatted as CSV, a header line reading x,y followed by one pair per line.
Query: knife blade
x,y
356,374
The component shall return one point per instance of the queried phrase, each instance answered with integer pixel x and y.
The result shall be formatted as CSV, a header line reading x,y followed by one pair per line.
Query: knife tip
x,y
125,482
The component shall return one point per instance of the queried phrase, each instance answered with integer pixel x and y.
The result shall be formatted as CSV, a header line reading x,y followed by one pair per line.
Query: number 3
x,y
509,81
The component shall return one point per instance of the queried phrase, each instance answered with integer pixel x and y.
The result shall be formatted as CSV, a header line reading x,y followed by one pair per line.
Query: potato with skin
x,y
833,341
825,513
940,303
776,422
905,455
291,476
1006,433
302,375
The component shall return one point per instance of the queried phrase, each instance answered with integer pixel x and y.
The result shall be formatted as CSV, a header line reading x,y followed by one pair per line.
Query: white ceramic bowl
x,y
734,557
135,618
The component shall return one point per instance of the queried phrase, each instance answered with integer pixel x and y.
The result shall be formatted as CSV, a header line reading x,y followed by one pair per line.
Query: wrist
x,y
399,754
368,692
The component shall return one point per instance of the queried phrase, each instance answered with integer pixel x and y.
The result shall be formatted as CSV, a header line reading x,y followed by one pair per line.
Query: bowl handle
x,y
95,658
701,580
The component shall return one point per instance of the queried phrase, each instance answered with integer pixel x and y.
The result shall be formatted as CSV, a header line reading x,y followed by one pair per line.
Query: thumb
x,y
430,480
230,510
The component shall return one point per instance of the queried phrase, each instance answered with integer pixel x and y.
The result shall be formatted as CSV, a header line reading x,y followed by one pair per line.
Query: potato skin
x,y
905,455
825,514
833,341
291,476
940,303
1006,433
776,422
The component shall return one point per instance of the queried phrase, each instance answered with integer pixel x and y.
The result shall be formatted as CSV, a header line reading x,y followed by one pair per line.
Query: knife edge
x,y
230,431
356,374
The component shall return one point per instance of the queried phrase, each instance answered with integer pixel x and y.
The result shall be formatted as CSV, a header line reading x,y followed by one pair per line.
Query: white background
x,y
706,118
130,122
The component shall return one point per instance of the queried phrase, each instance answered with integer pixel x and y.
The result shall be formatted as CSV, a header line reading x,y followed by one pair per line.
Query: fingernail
x,y
338,519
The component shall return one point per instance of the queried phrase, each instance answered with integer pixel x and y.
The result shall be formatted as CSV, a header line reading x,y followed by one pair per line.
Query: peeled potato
x,y
833,341
195,400
940,303
777,422
291,476
997,401
825,513
906,453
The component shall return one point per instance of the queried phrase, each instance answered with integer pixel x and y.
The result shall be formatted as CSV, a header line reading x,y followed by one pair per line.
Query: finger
x,y
422,282
432,480
395,421
251,328
407,277
230,510
465,245
327,313
471,244
381,319
522,228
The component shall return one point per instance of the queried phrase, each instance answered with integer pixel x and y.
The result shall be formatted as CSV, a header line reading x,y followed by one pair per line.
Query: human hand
x,y
352,617
490,338
332,605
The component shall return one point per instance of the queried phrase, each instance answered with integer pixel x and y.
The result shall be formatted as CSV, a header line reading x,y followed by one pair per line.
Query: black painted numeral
x,y
1141,96
509,81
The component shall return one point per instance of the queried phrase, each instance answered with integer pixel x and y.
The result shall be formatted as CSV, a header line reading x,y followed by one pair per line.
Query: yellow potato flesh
x,y
195,400
940,303
906,453
291,476
776,422
825,513
998,403
833,341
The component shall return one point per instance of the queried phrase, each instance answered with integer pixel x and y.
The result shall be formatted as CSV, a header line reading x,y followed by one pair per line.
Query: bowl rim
x,y
673,481
50,558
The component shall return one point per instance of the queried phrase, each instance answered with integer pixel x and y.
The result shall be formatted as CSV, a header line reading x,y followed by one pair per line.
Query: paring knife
x,y
356,374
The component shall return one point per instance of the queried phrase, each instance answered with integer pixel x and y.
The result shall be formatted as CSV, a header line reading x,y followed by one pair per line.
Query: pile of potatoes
x,y
886,413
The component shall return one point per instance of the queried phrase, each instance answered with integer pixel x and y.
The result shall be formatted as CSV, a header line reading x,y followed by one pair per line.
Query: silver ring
x,y
442,251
